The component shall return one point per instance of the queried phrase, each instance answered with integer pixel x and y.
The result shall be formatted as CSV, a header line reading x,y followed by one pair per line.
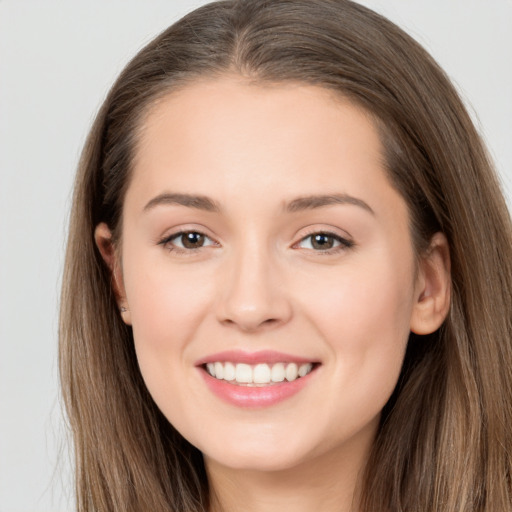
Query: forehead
x,y
206,103
229,126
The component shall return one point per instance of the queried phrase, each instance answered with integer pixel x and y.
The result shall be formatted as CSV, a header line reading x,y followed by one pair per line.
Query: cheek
x,y
166,309
165,302
375,294
364,314
166,313
365,321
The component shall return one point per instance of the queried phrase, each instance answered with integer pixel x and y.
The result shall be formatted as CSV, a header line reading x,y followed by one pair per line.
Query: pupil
x,y
322,242
192,240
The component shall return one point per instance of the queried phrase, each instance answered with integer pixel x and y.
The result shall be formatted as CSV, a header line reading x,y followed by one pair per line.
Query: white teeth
x,y
211,369
292,372
229,371
259,374
304,369
278,373
219,370
243,373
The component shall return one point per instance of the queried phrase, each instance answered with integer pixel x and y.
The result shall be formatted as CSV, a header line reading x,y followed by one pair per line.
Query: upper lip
x,y
262,356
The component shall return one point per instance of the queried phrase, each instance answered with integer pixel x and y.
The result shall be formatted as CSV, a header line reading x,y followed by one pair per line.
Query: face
x,y
268,272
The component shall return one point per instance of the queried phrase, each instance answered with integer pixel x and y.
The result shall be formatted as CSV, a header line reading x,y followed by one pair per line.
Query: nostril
x,y
248,320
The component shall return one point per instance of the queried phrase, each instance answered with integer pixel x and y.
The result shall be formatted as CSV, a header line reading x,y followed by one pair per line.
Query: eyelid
x,y
179,235
345,241
181,230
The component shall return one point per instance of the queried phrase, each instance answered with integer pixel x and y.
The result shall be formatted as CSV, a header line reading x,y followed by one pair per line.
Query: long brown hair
x,y
445,439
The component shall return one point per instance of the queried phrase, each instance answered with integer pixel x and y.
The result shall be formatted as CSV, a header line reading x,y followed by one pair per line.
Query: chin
x,y
257,462
259,456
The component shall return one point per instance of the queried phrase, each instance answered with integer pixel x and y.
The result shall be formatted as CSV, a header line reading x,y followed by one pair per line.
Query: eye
x,y
324,242
187,240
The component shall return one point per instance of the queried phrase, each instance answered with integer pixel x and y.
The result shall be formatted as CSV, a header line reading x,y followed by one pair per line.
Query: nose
x,y
253,295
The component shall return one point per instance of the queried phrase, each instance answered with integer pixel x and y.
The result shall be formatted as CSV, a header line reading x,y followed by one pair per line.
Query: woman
x,y
288,276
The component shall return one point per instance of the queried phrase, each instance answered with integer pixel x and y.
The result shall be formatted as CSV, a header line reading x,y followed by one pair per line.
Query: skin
x,y
258,283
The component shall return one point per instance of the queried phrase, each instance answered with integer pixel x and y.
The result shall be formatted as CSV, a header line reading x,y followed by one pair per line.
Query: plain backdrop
x,y
57,61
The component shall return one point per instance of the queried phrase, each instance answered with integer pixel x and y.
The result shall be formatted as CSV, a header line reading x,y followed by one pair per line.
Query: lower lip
x,y
253,397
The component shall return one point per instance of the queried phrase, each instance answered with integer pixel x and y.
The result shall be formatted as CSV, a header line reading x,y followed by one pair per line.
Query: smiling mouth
x,y
258,375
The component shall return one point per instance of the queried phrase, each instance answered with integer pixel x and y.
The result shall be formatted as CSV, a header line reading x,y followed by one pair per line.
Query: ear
x,y
103,239
433,287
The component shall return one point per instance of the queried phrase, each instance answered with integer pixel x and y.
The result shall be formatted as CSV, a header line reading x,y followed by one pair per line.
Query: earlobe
x,y
433,287
103,239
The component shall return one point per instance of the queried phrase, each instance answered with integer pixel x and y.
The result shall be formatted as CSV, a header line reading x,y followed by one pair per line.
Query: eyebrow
x,y
300,204
188,200
317,201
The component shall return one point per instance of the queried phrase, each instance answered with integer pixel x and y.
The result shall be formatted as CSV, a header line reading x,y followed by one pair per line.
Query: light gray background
x,y
57,60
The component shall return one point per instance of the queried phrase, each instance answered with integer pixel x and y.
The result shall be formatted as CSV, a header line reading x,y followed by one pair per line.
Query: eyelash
x,y
182,250
344,243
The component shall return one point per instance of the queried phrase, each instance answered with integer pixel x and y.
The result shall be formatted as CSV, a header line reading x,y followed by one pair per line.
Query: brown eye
x,y
192,240
186,241
324,242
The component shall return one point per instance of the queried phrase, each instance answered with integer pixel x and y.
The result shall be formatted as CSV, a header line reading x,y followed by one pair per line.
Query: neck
x,y
330,482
